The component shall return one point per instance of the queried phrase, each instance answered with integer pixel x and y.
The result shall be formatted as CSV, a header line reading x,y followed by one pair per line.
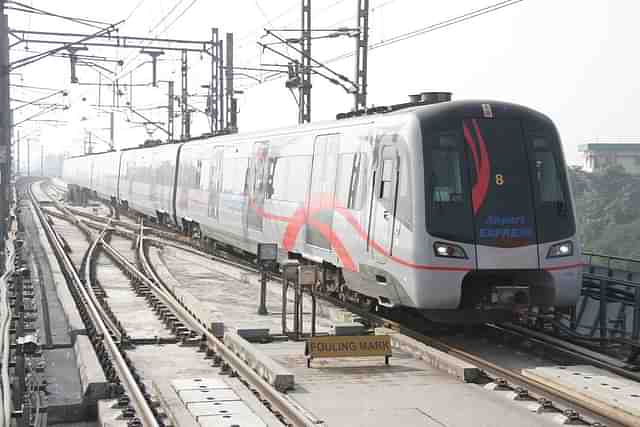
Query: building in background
x,y
599,156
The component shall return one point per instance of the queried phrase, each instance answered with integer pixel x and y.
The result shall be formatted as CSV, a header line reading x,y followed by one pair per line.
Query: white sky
x,y
574,60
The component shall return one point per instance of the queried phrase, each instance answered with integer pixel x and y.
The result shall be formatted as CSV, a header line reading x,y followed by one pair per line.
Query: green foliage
x,y
608,210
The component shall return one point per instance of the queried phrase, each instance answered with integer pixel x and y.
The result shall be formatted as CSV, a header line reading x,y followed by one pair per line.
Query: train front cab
x,y
498,211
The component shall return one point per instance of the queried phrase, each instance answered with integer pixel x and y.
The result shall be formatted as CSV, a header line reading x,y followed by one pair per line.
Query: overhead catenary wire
x,y
418,32
127,61
30,9
433,27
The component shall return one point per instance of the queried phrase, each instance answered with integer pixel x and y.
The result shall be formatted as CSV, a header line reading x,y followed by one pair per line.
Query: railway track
x,y
181,320
573,409
96,322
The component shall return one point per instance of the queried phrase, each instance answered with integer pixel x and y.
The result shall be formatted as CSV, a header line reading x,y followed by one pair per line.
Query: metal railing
x,y
594,259
614,283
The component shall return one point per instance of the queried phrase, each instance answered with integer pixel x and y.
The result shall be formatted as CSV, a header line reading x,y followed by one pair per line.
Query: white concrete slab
x,y
274,373
94,383
199,384
232,420
203,409
617,395
207,395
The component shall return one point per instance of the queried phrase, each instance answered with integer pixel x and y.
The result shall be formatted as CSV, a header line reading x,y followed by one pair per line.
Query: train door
x,y
255,184
502,195
215,183
384,203
321,201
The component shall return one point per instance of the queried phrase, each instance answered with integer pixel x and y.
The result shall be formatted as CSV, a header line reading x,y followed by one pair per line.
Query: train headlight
x,y
448,250
560,249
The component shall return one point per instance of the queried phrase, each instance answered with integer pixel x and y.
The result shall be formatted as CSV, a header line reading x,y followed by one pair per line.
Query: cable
x,y
135,8
132,57
178,17
175,6
418,32
433,27
83,21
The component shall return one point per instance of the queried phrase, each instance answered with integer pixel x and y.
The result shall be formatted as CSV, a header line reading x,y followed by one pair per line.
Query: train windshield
x,y
496,182
553,205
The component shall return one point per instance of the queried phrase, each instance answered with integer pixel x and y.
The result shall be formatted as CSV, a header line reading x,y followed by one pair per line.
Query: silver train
x,y
455,208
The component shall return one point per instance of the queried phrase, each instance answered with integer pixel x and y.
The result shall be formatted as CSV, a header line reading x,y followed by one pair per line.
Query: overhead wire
x,y
433,27
420,31
84,21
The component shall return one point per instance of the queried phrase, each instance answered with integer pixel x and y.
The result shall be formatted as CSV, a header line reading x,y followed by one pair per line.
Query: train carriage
x,y
449,208
106,169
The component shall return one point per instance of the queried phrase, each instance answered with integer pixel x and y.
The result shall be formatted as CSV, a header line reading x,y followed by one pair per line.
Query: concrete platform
x,y
64,389
54,277
615,395
217,286
94,383
461,370
345,391
274,373
74,378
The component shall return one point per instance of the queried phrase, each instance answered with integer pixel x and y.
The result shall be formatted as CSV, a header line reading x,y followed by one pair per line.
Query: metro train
x,y
452,208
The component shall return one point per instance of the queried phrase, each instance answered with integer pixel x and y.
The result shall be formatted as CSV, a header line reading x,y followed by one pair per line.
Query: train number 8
x,y
499,179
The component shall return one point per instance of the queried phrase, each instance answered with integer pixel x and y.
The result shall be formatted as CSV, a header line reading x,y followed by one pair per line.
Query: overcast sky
x,y
574,60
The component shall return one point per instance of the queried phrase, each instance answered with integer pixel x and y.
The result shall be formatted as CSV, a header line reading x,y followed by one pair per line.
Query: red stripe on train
x,y
303,216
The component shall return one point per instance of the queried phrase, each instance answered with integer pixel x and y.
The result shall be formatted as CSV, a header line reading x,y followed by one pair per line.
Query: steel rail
x,y
141,405
91,250
150,279
600,360
89,254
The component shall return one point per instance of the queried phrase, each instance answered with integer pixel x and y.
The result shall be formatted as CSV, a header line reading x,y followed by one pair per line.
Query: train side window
x,y
234,173
386,181
288,178
347,186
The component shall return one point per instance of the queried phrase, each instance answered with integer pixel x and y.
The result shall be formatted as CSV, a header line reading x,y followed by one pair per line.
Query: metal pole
x,y
231,112
304,91
635,334
213,85
603,311
221,110
112,130
28,157
297,306
170,114
41,159
17,152
362,46
262,309
313,310
285,287
301,311
184,107
5,126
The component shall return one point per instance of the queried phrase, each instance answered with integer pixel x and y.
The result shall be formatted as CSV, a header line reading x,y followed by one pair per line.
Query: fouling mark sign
x,y
348,346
